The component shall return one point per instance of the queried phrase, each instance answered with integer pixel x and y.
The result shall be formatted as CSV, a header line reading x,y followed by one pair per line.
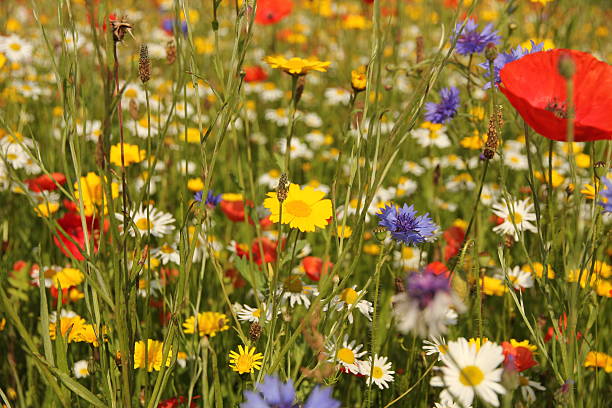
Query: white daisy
x,y
412,167
315,139
436,345
470,371
247,313
520,211
295,292
279,116
167,253
527,387
381,373
298,148
407,258
15,48
144,287
515,160
270,179
159,223
347,356
348,299
269,92
427,137
406,186
337,96
81,369
519,278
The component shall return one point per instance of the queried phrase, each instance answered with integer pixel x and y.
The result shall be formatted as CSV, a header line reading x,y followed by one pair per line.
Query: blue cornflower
x,y
211,199
471,41
445,110
405,226
273,393
424,286
506,57
606,195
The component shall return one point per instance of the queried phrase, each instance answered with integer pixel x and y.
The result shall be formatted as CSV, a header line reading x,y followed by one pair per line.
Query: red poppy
x,y
71,224
562,327
517,358
234,210
272,11
176,402
437,268
234,277
454,237
269,250
537,91
314,268
45,182
255,73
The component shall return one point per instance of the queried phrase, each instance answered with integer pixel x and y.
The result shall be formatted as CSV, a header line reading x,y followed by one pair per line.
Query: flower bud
x,y
566,66
380,233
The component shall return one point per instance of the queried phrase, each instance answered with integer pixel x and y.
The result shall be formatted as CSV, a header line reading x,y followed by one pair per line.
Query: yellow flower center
x,y
15,46
298,208
471,376
293,284
130,93
143,224
167,249
346,355
377,372
244,363
518,218
442,349
257,313
349,296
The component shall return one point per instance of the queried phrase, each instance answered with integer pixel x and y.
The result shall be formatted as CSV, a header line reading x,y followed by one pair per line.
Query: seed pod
x,y
144,64
120,28
254,331
170,52
283,188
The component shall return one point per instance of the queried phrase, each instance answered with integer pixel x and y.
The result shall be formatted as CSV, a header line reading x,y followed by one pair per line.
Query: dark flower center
x,y
558,108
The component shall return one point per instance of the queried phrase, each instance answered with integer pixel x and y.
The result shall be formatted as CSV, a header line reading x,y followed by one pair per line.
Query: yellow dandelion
x,y
296,66
153,355
302,209
245,360
209,323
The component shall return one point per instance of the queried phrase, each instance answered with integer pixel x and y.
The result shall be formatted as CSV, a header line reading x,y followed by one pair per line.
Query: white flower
x,y
312,120
167,253
519,278
298,148
295,292
515,160
435,345
279,116
412,167
269,92
15,48
247,313
407,258
527,389
347,356
270,179
337,96
406,186
521,212
348,299
148,287
159,223
80,369
469,370
428,137
315,139
381,374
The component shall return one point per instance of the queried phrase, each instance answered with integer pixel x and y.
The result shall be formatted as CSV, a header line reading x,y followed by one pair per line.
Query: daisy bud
x,y
566,66
144,64
254,331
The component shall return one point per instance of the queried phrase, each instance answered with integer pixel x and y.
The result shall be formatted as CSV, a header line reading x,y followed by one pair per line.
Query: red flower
x,y
234,210
437,268
562,327
269,250
255,73
537,91
46,183
71,224
234,276
176,402
314,268
454,237
517,358
272,11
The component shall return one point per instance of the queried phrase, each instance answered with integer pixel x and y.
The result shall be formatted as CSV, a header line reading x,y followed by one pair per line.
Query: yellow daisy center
x,y
346,355
442,349
377,372
298,208
15,46
518,218
130,93
257,313
349,296
244,363
143,224
167,249
471,376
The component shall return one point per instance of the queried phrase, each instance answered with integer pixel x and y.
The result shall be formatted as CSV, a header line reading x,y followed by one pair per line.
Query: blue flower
x,y
273,393
471,41
606,195
405,226
212,200
506,57
424,286
445,110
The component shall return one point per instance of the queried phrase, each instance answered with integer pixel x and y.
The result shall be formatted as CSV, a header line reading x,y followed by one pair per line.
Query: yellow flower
x,y
209,323
232,197
195,184
524,344
295,65
131,153
472,142
93,193
557,178
88,335
345,232
302,209
548,44
203,46
73,326
542,2
588,191
539,270
371,249
596,359
245,360
153,356
603,288
493,286
2,60
355,21
478,342
359,79
67,277
583,160
46,209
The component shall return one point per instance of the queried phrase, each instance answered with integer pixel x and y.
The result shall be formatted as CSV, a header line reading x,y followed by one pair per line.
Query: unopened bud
x,y
380,233
491,52
566,66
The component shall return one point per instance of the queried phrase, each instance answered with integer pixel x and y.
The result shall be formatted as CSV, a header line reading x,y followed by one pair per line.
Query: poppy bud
x,y
491,52
566,66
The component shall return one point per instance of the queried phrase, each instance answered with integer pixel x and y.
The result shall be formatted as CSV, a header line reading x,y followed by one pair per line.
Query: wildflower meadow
x,y
305,203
